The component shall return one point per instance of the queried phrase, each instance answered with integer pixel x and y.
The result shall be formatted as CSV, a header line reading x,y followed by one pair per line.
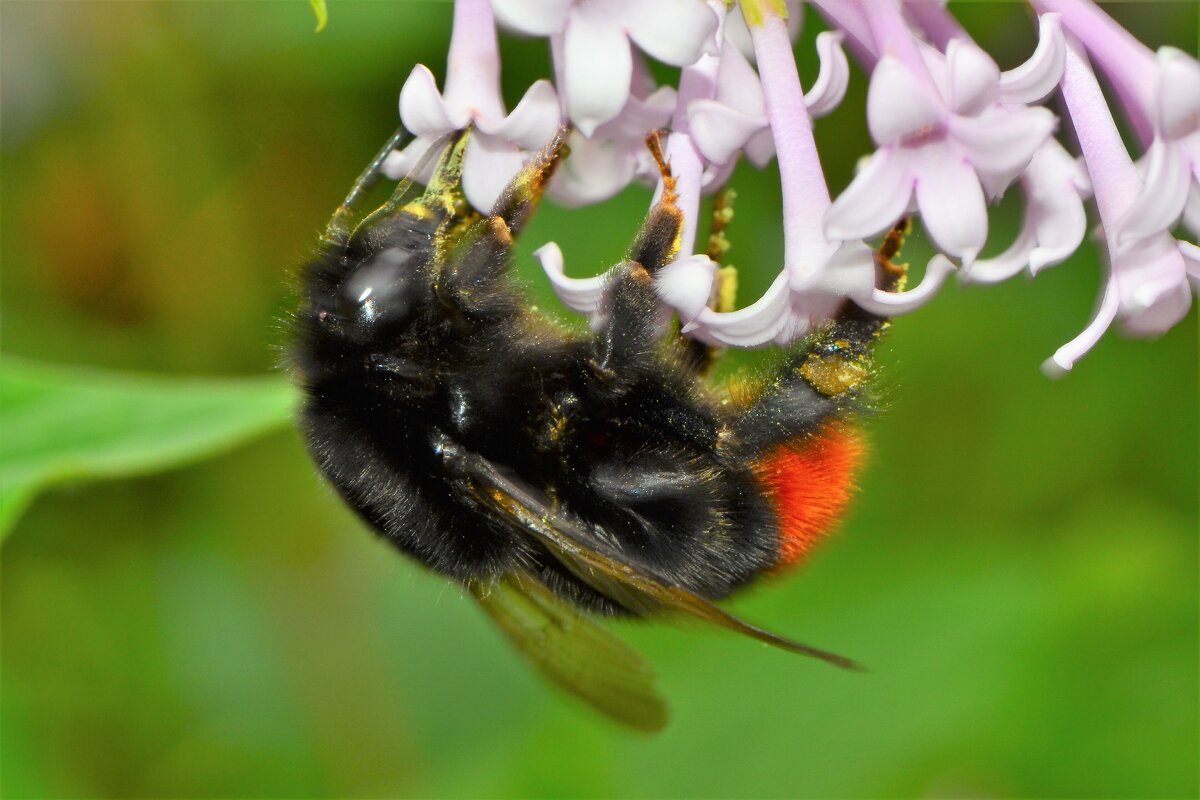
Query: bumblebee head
x,y
366,300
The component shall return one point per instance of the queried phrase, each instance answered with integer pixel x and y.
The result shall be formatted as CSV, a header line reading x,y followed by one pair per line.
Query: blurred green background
x,y
1019,571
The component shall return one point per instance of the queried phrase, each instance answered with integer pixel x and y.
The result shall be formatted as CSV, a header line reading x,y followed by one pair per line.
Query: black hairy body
x,y
434,397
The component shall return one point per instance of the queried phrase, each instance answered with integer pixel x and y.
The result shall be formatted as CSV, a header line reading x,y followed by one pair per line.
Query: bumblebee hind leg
x,y
822,380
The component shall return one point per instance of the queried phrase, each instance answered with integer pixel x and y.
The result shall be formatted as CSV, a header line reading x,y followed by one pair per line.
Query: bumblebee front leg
x,y
339,227
468,278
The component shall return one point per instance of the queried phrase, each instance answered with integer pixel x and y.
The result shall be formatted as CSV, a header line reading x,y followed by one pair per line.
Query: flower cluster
x,y
953,132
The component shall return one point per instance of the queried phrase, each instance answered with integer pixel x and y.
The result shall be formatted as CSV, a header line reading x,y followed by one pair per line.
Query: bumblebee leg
x,y
339,227
467,281
521,197
657,244
823,378
629,337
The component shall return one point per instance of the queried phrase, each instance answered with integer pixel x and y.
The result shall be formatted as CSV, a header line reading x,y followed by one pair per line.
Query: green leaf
x,y
318,7
65,424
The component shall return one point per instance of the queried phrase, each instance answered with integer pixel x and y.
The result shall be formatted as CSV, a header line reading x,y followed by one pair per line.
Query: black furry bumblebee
x,y
561,477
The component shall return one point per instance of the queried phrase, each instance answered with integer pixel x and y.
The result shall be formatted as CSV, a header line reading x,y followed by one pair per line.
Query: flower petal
x,y
974,77
1038,76
1151,279
675,32
875,199
1004,141
686,285
596,170
738,85
753,326
489,164
1066,356
413,162
719,131
951,202
1191,262
422,109
891,303
532,122
1055,186
1060,230
849,272
898,103
640,116
1178,93
761,148
582,295
1191,212
533,17
1163,195
1007,264
833,79
598,69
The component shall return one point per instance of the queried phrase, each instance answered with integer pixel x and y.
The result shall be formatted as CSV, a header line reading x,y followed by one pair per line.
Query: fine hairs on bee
x,y
555,475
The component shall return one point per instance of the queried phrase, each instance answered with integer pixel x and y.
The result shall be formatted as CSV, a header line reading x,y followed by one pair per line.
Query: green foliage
x,y
1017,573
321,12
63,424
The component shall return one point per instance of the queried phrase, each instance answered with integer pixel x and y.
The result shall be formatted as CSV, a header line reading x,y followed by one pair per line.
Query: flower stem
x,y
847,16
1115,180
937,23
1128,63
894,38
805,193
473,66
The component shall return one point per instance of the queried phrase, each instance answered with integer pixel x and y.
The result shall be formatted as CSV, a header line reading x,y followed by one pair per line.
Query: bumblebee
x,y
561,478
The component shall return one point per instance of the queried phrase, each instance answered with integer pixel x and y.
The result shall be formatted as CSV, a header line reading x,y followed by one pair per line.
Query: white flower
x,y
1055,222
736,118
596,34
1147,286
1172,163
939,145
604,164
502,143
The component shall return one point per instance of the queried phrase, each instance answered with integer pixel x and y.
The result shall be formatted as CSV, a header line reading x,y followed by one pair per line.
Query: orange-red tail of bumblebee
x,y
809,484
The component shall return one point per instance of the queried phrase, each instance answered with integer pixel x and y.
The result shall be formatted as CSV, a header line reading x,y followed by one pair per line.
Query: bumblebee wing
x,y
574,652
602,566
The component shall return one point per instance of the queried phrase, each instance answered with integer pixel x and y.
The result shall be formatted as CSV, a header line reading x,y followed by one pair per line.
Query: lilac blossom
x,y
946,126
1160,95
1055,222
735,119
597,63
502,143
819,273
953,132
1054,184
1147,284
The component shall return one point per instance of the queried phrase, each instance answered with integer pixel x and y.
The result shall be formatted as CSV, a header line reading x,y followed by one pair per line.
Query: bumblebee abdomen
x,y
809,482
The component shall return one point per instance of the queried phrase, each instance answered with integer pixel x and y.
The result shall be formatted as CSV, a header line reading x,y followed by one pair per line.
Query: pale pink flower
x,y
941,135
502,143
596,34
1147,285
